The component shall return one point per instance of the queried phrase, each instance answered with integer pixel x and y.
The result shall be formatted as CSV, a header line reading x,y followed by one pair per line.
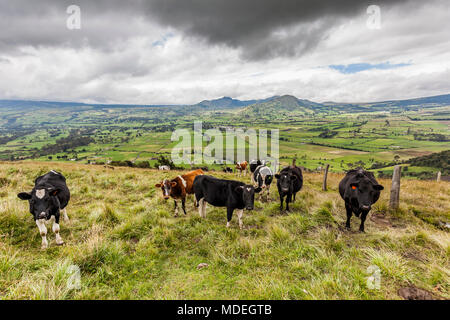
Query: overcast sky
x,y
184,51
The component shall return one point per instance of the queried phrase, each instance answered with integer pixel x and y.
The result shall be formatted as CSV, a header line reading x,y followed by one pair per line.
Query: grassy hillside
x,y
126,242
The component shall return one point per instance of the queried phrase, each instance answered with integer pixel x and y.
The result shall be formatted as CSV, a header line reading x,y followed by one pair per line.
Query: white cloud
x,y
148,63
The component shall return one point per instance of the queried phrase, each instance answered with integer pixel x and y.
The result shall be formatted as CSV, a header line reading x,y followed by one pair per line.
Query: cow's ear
x,y
158,185
173,183
378,187
258,190
24,196
277,176
354,186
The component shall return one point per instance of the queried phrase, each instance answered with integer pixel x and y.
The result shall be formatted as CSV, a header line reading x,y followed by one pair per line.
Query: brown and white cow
x,y
178,188
241,167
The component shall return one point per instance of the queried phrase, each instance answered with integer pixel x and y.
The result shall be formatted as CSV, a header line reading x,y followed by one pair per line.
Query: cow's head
x,y
363,193
285,180
248,195
166,187
264,177
43,202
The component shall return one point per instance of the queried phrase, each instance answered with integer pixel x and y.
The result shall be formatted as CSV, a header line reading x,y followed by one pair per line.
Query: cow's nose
x,y
249,208
263,187
365,208
166,197
42,215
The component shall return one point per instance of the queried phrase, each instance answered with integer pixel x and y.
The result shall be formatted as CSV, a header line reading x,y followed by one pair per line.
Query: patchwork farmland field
x,y
343,136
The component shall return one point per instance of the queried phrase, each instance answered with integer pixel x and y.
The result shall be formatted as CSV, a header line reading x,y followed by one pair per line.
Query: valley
x,y
375,136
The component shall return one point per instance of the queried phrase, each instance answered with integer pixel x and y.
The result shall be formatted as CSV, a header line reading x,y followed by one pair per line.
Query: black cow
x,y
49,195
360,190
262,178
227,170
224,193
289,182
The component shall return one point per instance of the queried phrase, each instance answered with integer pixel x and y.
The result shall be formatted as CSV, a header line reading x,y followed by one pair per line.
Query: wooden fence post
x,y
395,188
325,175
438,176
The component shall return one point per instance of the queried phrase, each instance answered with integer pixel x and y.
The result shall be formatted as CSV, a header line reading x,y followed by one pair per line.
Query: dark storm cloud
x,y
260,28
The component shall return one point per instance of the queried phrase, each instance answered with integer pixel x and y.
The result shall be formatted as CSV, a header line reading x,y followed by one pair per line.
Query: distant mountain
x,y
277,105
59,104
38,104
225,103
417,102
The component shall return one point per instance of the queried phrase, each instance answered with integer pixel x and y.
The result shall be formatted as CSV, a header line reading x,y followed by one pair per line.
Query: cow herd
x,y
359,190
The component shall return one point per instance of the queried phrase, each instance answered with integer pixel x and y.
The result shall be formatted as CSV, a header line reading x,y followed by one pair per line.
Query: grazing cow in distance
x,y
360,190
166,168
241,167
178,188
289,182
224,193
262,178
49,195
227,170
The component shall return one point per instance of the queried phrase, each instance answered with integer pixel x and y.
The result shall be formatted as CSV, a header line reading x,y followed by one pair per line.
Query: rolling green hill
x,y
283,106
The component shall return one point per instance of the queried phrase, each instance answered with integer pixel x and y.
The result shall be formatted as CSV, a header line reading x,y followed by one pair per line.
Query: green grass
x,y
124,239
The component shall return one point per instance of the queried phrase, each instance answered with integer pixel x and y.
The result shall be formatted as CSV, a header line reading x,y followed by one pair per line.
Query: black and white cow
x,y
360,190
262,178
289,182
234,195
49,195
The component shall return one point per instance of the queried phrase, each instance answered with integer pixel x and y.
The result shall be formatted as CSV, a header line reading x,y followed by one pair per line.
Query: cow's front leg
x,y
229,216
200,204
281,202
66,217
363,219
268,193
183,202
239,213
195,201
55,228
349,215
288,200
43,232
202,208
175,208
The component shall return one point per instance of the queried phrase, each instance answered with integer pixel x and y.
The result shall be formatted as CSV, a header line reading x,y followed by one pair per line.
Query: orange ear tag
x,y
354,187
